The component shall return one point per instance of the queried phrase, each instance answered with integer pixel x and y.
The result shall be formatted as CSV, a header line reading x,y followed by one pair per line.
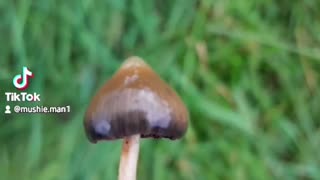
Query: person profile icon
x,y
7,110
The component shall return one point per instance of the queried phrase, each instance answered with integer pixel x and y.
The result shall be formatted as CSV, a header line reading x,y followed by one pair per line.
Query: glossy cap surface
x,y
135,101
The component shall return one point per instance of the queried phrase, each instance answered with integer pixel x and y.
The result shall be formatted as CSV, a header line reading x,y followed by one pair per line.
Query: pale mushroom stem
x,y
129,158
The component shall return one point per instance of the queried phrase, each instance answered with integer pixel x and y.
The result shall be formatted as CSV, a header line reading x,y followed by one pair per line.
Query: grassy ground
x,y
248,71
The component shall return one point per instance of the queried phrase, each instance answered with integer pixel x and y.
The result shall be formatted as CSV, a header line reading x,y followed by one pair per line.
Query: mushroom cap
x,y
135,101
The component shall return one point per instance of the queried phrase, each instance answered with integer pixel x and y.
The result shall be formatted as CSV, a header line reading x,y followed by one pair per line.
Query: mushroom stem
x,y
129,158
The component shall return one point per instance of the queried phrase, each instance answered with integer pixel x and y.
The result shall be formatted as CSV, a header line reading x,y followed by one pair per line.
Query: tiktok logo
x,y
21,81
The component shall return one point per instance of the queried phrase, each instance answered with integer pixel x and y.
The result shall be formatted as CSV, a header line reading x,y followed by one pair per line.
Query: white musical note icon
x,y
21,82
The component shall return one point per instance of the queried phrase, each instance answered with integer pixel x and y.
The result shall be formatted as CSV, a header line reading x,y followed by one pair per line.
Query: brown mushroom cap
x,y
135,101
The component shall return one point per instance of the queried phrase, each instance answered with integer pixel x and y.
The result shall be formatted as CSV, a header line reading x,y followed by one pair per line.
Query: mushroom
x,y
135,103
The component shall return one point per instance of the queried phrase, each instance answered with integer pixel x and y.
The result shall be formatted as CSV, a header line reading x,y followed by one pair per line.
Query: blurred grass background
x,y
248,71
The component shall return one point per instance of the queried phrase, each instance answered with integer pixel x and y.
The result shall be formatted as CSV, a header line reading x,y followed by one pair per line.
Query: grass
x,y
247,70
